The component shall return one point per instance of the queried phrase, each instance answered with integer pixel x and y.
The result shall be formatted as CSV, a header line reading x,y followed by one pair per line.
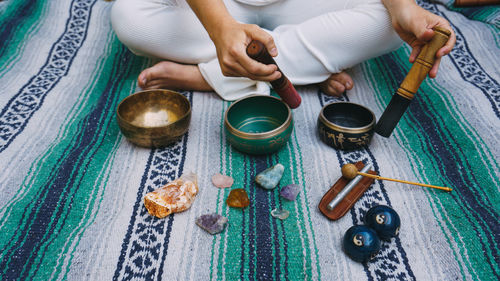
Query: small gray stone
x,y
280,214
270,177
290,191
212,223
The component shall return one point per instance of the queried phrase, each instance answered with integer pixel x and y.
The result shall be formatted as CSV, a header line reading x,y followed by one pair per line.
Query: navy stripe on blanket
x,y
163,166
263,224
56,194
9,27
392,256
21,107
432,136
468,66
482,210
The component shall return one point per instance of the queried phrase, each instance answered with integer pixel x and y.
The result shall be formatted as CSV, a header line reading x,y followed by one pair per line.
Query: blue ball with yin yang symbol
x,y
384,220
361,243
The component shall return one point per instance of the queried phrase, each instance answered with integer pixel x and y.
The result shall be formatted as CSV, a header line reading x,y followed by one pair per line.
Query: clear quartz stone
x,y
280,214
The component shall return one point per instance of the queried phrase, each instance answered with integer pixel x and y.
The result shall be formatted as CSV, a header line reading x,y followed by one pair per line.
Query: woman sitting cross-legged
x,y
201,44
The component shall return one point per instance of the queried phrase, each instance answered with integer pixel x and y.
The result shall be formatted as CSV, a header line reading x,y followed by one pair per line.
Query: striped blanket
x,y
72,186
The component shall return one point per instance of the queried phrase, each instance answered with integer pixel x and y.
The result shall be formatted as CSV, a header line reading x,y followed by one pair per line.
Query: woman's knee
x,y
124,17
160,30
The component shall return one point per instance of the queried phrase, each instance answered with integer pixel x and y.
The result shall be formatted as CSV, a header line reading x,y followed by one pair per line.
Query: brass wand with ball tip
x,y
349,171
353,182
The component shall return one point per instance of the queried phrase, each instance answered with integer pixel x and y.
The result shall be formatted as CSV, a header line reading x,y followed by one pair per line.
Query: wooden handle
x,y
423,63
461,3
257,51
403,181
283,87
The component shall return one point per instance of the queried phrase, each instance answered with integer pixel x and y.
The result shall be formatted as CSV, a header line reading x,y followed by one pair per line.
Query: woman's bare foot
x,y
337,84
174,76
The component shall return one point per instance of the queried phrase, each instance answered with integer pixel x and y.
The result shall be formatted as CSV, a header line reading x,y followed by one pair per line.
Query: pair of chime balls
x,y
362,242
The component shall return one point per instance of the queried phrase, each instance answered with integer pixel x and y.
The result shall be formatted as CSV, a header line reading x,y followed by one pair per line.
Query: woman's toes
x,y
158,73
142,79
174,76
337,84
332,88
337,88
343,78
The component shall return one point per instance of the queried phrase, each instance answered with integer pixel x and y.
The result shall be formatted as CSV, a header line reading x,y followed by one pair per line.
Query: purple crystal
x,y
290,191
212,223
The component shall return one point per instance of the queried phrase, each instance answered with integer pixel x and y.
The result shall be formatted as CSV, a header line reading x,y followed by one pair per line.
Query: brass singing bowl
x,y
154,118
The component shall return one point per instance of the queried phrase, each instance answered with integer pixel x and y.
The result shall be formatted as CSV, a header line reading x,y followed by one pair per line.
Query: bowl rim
x,y
258,136
188,112
343,129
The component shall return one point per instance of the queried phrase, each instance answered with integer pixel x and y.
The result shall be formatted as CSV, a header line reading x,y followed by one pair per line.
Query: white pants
x,y
314,38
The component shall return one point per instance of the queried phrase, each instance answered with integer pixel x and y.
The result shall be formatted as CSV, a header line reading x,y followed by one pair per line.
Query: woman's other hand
x,y
414,25
231,39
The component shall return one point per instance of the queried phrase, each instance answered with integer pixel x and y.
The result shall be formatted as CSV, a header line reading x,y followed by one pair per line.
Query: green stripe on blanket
x,y
80,200
71,209
484,13
456,217
23,30
235,251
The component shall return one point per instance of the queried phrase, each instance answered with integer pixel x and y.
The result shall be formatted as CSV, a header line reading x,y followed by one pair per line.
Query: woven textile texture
x,y
72,187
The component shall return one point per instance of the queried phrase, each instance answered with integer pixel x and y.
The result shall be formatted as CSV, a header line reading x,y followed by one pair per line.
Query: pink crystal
x,y
222,181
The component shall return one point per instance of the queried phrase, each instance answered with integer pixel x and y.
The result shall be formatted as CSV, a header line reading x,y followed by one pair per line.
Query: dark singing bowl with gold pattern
x,y
346,125
154,118
258,124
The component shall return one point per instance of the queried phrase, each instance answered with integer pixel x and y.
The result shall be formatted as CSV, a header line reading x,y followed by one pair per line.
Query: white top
x,y
257,2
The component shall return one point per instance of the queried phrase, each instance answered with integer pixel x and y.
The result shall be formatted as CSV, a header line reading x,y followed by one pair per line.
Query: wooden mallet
x,y
283,87
408,88
349,171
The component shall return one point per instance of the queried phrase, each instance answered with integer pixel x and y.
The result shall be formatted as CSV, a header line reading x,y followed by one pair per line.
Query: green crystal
x,y
270,177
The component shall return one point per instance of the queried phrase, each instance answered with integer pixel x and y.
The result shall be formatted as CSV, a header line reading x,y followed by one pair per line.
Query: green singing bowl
x,y
346,125
154,118
258,124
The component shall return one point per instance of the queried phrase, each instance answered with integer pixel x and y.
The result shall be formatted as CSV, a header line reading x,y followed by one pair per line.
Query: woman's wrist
x,y
212,14
395,7
218,27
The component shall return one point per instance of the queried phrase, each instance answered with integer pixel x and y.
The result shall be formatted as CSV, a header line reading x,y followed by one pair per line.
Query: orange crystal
x,y
238,198
175,196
